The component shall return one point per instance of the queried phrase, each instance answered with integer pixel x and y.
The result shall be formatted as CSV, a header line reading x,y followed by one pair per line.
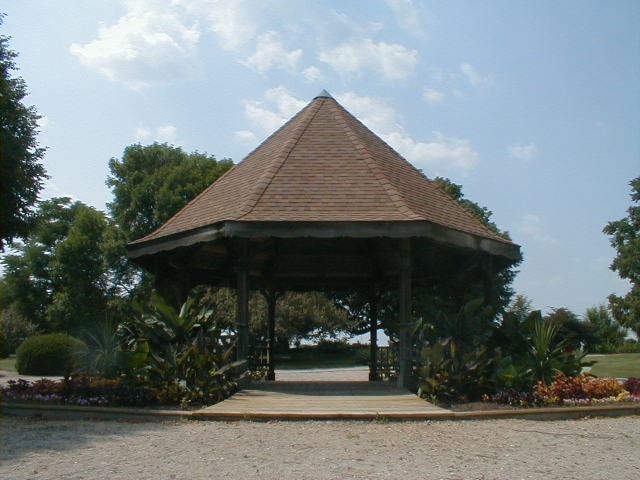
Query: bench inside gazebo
x,y
323,204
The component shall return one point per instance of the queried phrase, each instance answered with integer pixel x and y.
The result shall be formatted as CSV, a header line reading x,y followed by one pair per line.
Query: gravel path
x,y
600,448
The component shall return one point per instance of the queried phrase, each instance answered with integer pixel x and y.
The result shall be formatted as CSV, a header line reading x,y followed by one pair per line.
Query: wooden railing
x,y
386,363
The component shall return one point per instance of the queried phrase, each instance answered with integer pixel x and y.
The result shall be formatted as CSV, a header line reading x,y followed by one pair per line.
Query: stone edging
x,y
78,412
140,414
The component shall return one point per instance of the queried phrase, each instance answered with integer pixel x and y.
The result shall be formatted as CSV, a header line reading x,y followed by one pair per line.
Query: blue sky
x,y
534,107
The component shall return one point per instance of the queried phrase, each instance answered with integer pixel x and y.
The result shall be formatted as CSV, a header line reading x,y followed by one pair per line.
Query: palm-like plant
x,y
184,347
549,356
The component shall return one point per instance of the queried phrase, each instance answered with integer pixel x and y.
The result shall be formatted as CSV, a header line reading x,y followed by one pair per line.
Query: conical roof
x,y
323,165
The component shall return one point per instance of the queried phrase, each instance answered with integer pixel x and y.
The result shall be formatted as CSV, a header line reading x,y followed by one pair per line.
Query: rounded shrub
x,y
50,354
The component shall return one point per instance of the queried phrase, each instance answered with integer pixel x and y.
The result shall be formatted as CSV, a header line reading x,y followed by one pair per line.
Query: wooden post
x,y
242,312
405,375
374,300
271,297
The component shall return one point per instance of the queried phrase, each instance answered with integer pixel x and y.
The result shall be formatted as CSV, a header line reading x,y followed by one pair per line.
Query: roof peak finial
x,y
323,94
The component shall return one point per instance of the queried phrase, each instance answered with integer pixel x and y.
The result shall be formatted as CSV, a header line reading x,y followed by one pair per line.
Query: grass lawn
x,y
307,358
616,365
8,364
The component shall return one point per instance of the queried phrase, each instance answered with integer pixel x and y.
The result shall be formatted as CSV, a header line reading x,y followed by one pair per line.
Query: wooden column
x,y
271,296
242,312
374,301
405,375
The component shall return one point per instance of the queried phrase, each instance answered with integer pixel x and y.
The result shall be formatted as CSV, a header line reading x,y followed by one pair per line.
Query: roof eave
x,y
326,229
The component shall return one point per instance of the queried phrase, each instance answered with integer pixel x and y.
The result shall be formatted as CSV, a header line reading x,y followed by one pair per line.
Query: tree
x,y
59,278
572,331
78,272
151,183
625,238
299,316
28,282
608,332
481,213
21,173
520,307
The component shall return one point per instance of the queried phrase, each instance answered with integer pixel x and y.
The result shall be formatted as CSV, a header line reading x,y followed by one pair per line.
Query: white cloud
x,y
475,78
407,16
393,61
162,134
270,53
375,113
312,74
433,96
245,136
142,134
166,133
522,152
271,113
440,153
531,226
234,22
149,44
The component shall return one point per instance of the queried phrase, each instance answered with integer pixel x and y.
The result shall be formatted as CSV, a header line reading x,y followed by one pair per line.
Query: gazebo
x,y
323,204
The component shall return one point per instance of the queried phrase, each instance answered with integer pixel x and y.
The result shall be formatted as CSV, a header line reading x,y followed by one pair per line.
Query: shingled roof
x,y
324,166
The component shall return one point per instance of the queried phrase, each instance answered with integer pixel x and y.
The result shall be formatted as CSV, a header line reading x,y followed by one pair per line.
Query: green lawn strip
x,y
8,364
309,359
616,365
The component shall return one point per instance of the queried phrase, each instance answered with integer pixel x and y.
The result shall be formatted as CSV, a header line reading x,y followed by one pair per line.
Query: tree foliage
x,y
609,334
481,213
21,173
299,316
625,238
151,183
59,277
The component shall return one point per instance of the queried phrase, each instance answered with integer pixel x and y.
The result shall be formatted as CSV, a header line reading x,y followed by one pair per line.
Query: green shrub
x,y
629,346
50,354
333,346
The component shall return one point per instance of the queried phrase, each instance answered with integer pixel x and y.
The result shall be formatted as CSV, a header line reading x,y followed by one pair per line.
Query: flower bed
x,y
81,390
567,390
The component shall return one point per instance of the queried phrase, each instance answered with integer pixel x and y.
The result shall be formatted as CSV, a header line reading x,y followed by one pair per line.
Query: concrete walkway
x,y
322,394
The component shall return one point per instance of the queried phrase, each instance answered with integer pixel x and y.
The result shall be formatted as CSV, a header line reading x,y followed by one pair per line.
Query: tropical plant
x,y
447,374
456,365
546,354
185,349
532,349
107,353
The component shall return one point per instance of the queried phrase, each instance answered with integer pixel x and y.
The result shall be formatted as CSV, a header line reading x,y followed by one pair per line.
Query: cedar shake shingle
x,y
323,165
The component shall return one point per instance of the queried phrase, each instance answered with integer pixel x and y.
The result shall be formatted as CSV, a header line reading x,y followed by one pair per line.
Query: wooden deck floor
x,y
323,400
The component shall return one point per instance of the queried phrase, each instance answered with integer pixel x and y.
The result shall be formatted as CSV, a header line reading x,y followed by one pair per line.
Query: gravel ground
x,y
596,448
